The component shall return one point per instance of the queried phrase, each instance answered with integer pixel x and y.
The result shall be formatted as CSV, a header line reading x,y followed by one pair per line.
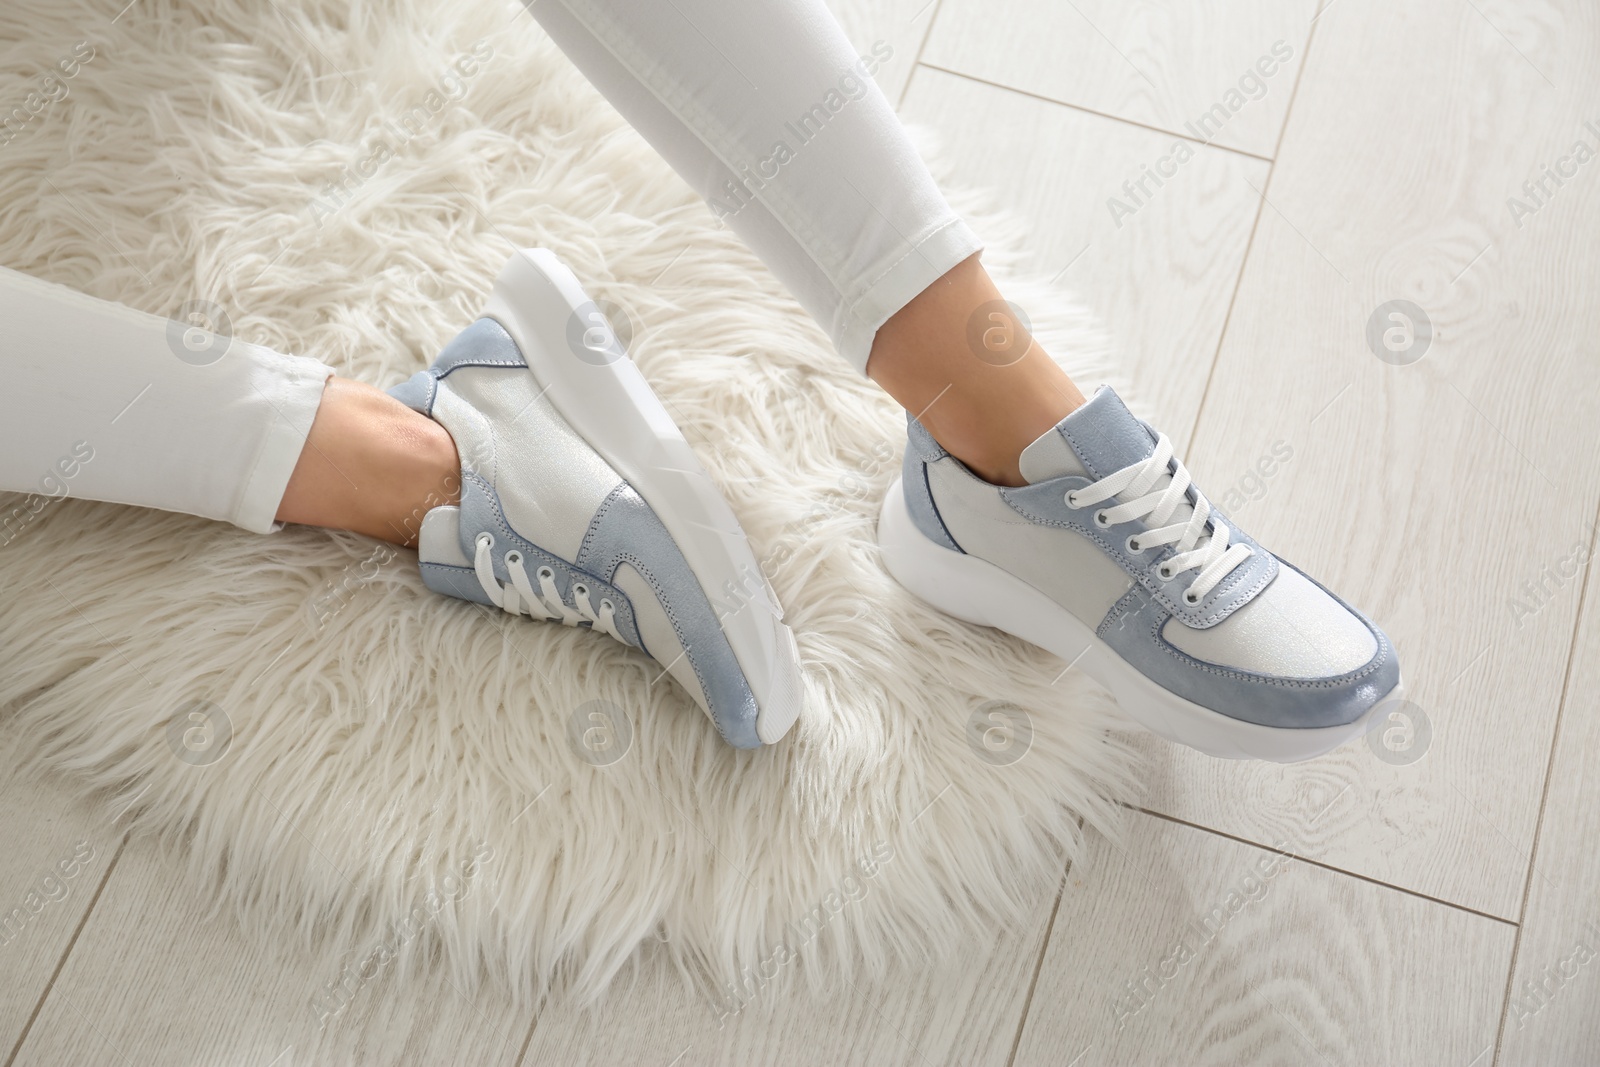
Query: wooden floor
x,y
1432,900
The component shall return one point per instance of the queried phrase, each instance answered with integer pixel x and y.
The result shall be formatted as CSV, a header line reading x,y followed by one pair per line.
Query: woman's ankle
x,y
958,358
371,465
989,437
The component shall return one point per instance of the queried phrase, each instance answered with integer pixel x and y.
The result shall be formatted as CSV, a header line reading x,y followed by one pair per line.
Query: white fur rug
x,y
397,780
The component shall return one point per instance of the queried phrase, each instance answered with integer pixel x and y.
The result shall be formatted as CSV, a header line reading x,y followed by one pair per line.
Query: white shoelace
x,y
519,598
1211,554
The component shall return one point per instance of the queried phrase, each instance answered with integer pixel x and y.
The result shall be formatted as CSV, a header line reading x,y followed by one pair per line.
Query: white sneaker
x,y
1111,559
581,503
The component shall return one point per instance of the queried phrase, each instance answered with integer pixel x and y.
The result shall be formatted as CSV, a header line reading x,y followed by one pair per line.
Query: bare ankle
x,y
983,402
371,465
990,444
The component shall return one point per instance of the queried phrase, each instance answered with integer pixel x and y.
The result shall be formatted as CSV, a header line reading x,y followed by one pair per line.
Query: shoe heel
x,y
931,572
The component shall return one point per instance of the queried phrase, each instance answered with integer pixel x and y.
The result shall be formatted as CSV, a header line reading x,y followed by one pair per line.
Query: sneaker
x,y
582,504
1111,559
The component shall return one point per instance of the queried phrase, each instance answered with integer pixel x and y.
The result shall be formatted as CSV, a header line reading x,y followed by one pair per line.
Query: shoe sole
x,y
977,591
538,299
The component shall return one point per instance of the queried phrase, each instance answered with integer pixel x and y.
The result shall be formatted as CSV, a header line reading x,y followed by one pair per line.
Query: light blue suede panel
x,y
483,344
920,441
459,582
627,530
1133,628
480,511
417,392
1105,436
919,495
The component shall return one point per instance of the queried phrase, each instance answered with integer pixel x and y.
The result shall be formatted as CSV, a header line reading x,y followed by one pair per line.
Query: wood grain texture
x,y
966,1010
1162,65
1183,947
1553,1010
1161,277
902,25
57,851
156,979
1432,495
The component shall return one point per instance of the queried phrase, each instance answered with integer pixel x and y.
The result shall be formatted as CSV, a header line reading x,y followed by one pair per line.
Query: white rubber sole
x,y
536,298
980,592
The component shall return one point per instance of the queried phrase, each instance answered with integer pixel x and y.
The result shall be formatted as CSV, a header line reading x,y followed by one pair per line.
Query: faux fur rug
x,y
358,768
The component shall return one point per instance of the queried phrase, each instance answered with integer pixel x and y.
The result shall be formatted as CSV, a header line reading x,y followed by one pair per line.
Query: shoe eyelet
x,y
513,558
1133,549
1100,519
1070,501
580,589
546,572
607,605
486,539
1190,599
1165,572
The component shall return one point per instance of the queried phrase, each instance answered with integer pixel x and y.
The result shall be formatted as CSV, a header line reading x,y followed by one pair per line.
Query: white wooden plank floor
x,y
56,857
1159,64
1552,1014
1440,905
1228,954
966,1010
1388,497
1161,278
153,979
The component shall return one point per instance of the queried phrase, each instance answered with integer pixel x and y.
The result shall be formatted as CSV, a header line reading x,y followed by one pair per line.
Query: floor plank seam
x,y
1544,794
1038,965
1250,241
1090,111
1327,867
522,1053
922,46
61,963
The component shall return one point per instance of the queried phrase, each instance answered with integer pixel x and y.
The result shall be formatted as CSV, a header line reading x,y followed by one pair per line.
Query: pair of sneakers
x,y
581,503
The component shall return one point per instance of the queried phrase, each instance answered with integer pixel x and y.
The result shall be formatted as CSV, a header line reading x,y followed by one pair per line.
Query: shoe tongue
x,y
1098,439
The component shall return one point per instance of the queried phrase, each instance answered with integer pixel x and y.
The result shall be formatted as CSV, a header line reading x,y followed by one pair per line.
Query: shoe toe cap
x,y
1296,656
1292,629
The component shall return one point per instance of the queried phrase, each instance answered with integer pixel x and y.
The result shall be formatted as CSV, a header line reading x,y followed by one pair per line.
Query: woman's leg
x,y
983,410
765,109
769,113
602,514
127,407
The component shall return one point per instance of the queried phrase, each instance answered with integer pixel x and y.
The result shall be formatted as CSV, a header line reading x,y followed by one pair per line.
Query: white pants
x,y
761,105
